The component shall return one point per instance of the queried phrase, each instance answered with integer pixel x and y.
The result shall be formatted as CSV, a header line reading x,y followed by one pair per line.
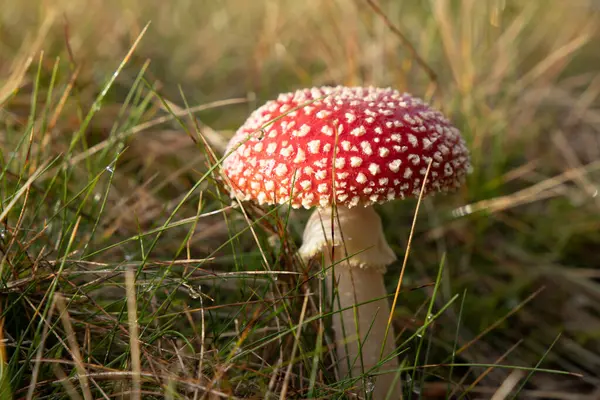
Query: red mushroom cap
x,y
376,143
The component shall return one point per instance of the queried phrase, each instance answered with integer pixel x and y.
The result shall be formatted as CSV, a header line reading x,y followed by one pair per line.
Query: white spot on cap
x,y
416,160
366,148
281,170
327,130
258,146
327,147
413,140
395,165
307,200
346,145
355,161
323,114
302,131
361,178
286,151
369,120
313,146
374,168
350,117
321,174
354,202
383,181
359,131
305,184
448,171
342,175
262,197
322,188
384,151
340,162
342,197
378,130
271,148
269,185
300,156
407,173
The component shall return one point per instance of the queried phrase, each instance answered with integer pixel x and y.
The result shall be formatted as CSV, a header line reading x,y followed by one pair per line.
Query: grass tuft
x,y
126,270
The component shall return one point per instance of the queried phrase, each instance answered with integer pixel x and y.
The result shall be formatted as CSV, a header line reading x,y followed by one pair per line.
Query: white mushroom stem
x,y
360,257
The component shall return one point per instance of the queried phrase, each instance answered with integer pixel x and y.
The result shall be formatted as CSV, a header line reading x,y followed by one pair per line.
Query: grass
x,y
127,271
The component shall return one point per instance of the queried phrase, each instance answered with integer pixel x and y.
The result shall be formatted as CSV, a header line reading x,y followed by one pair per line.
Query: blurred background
x,y
521,241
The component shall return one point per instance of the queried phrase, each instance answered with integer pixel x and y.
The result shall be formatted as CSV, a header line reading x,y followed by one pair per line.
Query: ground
x,y
126,268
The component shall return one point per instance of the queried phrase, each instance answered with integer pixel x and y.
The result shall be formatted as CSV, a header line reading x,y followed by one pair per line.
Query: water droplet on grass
x,y
191,291
370,385
148,287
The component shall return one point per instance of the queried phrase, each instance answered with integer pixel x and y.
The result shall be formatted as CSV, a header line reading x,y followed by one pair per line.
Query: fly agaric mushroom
x,y
343,149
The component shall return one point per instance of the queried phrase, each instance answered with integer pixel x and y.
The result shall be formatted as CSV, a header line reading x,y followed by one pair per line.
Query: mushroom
x,y
342,150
